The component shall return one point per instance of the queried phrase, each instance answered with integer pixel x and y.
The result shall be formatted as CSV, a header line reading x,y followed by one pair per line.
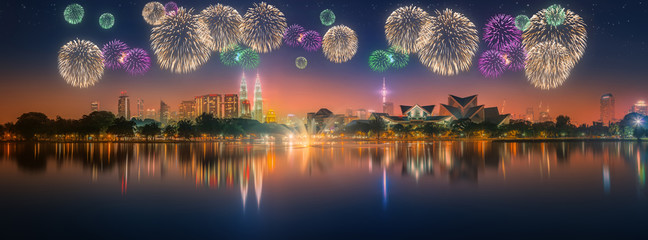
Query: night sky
x,y
34,31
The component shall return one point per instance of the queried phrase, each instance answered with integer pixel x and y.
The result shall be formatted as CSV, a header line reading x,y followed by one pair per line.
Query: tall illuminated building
x,y
151,113
140,109
208,104
388,107
244,106
258,100
639,107
607,109
164,113
229,106
94,106
187,110
123,106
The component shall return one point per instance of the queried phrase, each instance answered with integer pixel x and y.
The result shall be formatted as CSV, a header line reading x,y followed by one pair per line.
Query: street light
x,y
638,122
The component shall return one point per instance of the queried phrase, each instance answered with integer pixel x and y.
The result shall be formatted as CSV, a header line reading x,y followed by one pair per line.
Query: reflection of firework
x,y
340,44
230,57
548,65
522,22
311,41
293,35
380,60
263,27
137,61
80,63
249,59
515,55
153,13
403,27
301,62
223,23
448,43
500,31
571,33
73,13
113,53
182,42
398,58
327,17
106,20
492,64
171,8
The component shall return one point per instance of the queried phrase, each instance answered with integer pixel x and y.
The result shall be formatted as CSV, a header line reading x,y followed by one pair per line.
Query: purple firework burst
x,y
171,8
311,41
514,56
114,52
293,35
492,64
137,61
500,31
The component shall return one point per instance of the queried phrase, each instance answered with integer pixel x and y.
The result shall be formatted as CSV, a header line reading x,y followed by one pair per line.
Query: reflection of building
x,y
271,117
229,107
244,106
207,104
94,106
258,101
607,109
187,110
123,106
324,120
140,109
164,113
639,107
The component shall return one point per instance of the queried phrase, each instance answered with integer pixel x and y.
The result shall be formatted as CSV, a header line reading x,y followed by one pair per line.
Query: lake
x,y
359,190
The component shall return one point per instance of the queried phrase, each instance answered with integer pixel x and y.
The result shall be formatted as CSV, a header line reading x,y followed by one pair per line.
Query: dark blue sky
x,y
35,30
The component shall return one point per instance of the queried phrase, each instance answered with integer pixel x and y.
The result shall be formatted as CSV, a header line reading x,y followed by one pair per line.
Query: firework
x,y
248,58
73,13
492,64
113,54
311,41
398,58
403,27
380,60
293,35
223,23
555,15
230,57
514,56
80,63
447,44
171,8
153,13
106,20
548,65
137,61
522,22
263,27
301,62
181,42
327,17
340,44
500,31
571,34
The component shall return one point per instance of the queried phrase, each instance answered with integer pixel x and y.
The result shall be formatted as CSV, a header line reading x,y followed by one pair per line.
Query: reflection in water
x,y
244,166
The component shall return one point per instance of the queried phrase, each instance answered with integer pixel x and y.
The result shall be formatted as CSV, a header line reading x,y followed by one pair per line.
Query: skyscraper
x,y
208,104
244,106
94,106
164,113
140,109
187,110
387,107
258,100
229,107
123,106
607,109
639,107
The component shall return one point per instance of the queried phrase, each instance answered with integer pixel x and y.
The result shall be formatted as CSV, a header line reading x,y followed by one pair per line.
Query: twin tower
x,y
245,108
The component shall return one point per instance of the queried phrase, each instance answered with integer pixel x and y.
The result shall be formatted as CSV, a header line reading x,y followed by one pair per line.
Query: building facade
x,y
229,106
187,110
607,109
164,113
244,102
209,104
123,106
271,116
140,109
94,106
257,113
639,107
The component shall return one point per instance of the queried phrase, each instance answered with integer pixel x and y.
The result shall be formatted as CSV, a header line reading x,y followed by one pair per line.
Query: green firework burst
x,y
106,20
231,56
327,17
398,59
73,13
555,15
249,59
380,60
522,22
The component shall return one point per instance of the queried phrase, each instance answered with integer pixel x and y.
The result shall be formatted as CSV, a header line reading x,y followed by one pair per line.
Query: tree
x,y
377,126
208,124
31,124
95,123
122,128
150,130
432,129
170,131
186,129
